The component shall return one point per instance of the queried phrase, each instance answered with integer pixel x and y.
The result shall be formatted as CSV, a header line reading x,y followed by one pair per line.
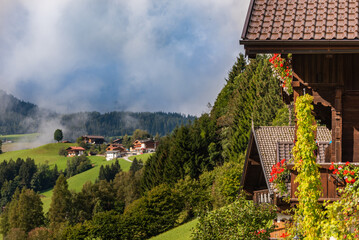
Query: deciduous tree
x,y
58,135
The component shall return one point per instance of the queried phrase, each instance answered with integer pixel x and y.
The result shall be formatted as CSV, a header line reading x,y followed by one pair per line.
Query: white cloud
x,y
145,55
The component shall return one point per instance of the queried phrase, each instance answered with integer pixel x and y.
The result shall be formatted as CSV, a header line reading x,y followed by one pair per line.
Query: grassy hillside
x,y
48,152
76,182
19,137
143,157
182,232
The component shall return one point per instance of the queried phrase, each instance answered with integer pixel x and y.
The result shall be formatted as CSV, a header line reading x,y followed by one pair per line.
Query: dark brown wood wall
x,y
334,81
339,69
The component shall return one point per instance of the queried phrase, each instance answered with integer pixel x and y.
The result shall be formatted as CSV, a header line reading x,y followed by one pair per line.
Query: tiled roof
x,y
267,139
75,148
302,20
325,23
93,137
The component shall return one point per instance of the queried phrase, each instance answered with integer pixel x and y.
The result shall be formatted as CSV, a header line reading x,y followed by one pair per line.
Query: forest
x,y
196,170
20,117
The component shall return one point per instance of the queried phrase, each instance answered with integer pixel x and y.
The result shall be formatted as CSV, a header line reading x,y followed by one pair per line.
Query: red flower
x,y
347,163
346,172
281,65
353,181
282,162
335,171
284,235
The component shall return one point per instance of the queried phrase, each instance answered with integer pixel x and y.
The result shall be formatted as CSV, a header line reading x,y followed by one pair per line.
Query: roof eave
x,y
253,47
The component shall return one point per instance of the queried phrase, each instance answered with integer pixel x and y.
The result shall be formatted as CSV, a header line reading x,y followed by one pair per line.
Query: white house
x,y
112,155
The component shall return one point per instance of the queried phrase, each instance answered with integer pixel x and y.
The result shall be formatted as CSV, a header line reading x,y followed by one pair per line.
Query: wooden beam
x,y
337,122
253,162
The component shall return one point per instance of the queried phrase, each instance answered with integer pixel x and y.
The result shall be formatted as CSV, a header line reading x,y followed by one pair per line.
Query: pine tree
x,y
29,210
136,166
60,207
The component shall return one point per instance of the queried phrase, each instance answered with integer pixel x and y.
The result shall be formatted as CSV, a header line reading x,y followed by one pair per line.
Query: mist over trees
x,y
19,117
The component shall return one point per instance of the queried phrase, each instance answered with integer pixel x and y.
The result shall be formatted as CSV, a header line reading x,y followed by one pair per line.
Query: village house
x,y
114,146
114,151
323,38
75,151
110,155
144,146
93,139
117,141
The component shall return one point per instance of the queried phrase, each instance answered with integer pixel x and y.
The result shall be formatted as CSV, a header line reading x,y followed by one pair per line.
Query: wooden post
x,y
337,126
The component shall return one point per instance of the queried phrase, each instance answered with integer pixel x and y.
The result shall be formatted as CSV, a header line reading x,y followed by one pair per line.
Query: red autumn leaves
x,y
346,172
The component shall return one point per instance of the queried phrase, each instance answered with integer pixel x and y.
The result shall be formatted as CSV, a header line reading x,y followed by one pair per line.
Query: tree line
x,y
19,117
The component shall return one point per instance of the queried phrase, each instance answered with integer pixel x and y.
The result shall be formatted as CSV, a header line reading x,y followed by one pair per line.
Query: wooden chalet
x,y
269,145
75,151
323,38
114,146
117,141
144,146
93,139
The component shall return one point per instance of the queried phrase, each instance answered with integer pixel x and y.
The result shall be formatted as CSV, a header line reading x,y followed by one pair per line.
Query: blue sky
x,y
137,55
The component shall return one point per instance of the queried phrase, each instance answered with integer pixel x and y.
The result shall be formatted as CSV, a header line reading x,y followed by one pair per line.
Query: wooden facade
x,y
323,38
333,80
267,146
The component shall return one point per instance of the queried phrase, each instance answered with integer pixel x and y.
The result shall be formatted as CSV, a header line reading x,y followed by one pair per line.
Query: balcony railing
x,y
262,196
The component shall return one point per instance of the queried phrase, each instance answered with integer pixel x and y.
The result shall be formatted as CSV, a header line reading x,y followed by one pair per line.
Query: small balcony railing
x,y
262,196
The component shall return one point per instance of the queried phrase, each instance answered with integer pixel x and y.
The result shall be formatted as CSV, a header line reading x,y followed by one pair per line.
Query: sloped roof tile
x,y
302,20
268,138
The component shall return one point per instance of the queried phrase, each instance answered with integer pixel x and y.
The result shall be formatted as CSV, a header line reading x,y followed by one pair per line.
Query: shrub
x,y
62,152
239,220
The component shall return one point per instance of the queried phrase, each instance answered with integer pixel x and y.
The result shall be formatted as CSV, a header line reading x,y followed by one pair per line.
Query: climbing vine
x,y
308,213
342,220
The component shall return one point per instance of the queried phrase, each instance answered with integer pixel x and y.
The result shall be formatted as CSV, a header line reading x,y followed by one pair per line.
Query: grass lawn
x,y
182,232
76,182
20,137
48,152
143,157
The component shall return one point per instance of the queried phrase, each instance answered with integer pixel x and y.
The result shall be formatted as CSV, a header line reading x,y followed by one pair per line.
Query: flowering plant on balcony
x,y
282,70
280,174
346,172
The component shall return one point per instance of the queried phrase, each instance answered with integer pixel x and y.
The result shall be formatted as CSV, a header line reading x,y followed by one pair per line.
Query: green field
x,y
76,182
47,153
143,157
19,137
182,232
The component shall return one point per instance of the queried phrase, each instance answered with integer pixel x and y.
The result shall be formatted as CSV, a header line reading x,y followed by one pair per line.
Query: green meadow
x,y
182,232
142,157
49,153
19,137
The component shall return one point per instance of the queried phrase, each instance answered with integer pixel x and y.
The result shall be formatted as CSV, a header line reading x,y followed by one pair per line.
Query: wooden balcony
x,y
262,196
330,184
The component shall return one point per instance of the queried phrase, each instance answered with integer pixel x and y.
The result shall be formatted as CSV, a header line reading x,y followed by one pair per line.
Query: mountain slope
x,y
19,117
